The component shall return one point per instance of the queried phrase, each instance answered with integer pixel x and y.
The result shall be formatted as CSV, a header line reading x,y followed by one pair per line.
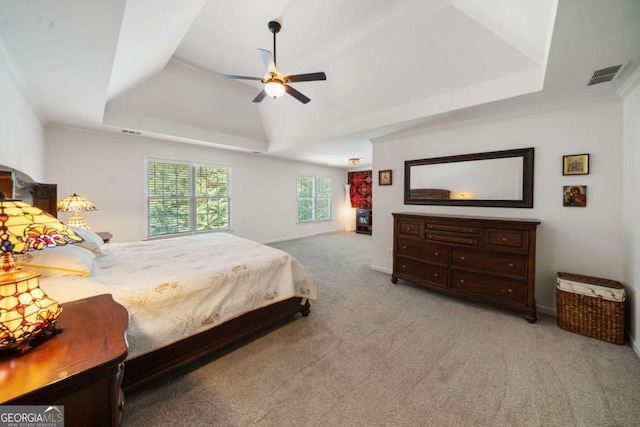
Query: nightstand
x,y
105,236
80,368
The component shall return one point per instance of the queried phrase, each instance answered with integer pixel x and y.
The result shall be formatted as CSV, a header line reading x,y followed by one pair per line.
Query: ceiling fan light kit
x,y
274,88
276,83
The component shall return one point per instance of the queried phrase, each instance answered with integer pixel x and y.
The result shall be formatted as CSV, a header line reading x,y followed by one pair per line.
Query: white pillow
x,y
92,241
67,260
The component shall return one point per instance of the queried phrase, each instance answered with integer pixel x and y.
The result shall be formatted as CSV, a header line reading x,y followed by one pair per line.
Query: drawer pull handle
x,y
404,247
429,226
404,266
462,258
504,239
470,241
470,230
461,280
436,254
510,290
435,275
510,264
408,228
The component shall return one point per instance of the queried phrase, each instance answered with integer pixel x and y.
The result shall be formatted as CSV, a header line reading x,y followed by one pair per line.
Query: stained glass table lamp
x,y
25,310
75,204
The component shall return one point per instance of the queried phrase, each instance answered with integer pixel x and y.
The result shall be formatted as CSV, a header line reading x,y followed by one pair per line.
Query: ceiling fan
x,y
276,83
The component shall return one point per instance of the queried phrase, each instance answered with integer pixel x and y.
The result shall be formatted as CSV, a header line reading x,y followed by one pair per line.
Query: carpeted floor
x,y
376,354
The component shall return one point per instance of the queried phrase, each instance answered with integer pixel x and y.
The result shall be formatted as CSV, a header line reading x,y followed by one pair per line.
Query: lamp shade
x,y
75,204
274,89
25,310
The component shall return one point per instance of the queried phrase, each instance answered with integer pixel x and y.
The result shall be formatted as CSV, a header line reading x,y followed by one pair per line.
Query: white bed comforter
x,y
177,287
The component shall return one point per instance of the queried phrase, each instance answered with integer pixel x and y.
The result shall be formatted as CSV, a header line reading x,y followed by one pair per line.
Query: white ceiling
x,y
151,66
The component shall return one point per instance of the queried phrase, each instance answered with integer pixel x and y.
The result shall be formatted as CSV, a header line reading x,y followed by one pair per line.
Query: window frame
x,y
193,197
314,198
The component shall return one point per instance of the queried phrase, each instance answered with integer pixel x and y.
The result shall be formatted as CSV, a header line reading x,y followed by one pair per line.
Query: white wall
x,y
21,132
631,207
108,169
579,240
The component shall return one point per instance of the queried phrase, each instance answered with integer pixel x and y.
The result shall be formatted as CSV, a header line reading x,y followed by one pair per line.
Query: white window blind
x,y
186,198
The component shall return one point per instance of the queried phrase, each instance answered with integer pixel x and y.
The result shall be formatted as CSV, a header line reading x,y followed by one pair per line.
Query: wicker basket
x,y
591,306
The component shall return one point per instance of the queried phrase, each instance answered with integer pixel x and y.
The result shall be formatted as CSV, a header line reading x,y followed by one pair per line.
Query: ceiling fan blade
x,y
267,60
260,96
297,95
307,77
231,76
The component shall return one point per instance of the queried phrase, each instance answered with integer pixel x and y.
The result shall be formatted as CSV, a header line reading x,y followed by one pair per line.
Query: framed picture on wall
x,y
384,177
575,164
574,195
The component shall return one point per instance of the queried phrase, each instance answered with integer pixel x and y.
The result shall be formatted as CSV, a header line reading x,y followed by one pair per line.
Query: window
x,y
314,198
186,198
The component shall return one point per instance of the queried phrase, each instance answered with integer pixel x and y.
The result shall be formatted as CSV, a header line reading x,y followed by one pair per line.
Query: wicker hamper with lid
x,y
591,306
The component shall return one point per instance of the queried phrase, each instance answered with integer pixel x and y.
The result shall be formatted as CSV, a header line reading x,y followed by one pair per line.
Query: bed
x,y
186,296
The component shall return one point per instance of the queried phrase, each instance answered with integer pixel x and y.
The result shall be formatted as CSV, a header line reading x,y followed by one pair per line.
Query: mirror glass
x,y
496,179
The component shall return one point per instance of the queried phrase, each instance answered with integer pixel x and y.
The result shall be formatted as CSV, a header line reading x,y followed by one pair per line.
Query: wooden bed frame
x,y
146,367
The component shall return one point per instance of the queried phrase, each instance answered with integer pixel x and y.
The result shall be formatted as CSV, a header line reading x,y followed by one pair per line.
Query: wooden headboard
x,y
45,197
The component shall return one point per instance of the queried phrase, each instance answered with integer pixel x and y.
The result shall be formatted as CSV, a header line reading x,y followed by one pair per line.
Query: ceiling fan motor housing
x,y
274,27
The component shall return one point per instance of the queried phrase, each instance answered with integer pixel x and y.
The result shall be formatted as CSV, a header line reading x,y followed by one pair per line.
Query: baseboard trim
x,y
381,269
286,239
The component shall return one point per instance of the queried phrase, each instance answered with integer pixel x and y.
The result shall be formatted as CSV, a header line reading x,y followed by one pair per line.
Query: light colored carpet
x,y
376,354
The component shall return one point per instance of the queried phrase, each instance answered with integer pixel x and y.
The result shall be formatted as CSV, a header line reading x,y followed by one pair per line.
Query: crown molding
x,y
630,84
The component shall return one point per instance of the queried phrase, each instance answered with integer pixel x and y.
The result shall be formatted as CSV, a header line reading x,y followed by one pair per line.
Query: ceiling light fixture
x,y
354,161
276,83
274,88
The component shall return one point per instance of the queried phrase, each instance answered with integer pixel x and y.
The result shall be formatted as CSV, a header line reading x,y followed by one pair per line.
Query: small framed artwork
x,y
384,177
574,195
575,164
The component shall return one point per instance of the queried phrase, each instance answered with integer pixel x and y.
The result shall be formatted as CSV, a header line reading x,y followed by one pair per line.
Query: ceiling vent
x,y
604,75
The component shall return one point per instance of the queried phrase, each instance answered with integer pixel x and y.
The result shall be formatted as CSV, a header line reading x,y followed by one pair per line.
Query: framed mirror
x,y
493,179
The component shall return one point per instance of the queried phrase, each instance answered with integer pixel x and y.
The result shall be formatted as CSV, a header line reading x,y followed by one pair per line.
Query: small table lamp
x,y
25,310
75,203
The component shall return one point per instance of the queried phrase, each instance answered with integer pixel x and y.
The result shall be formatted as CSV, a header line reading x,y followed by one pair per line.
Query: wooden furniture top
x,y
469,217
92,339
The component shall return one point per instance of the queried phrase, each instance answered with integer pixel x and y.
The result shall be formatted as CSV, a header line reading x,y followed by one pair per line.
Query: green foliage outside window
x,y
314,198
180,195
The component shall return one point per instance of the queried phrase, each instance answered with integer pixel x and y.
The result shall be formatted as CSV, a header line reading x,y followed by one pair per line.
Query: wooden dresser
x,y
489,260
80,368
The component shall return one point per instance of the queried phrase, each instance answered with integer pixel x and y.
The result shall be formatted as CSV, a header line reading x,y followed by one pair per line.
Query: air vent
x,y
130,132
604,75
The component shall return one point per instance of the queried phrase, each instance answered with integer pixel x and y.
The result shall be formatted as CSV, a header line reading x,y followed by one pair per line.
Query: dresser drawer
x,y
426,251
470,240
482,259
421,272
452,228
513,265
410,228
506,240
481,284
